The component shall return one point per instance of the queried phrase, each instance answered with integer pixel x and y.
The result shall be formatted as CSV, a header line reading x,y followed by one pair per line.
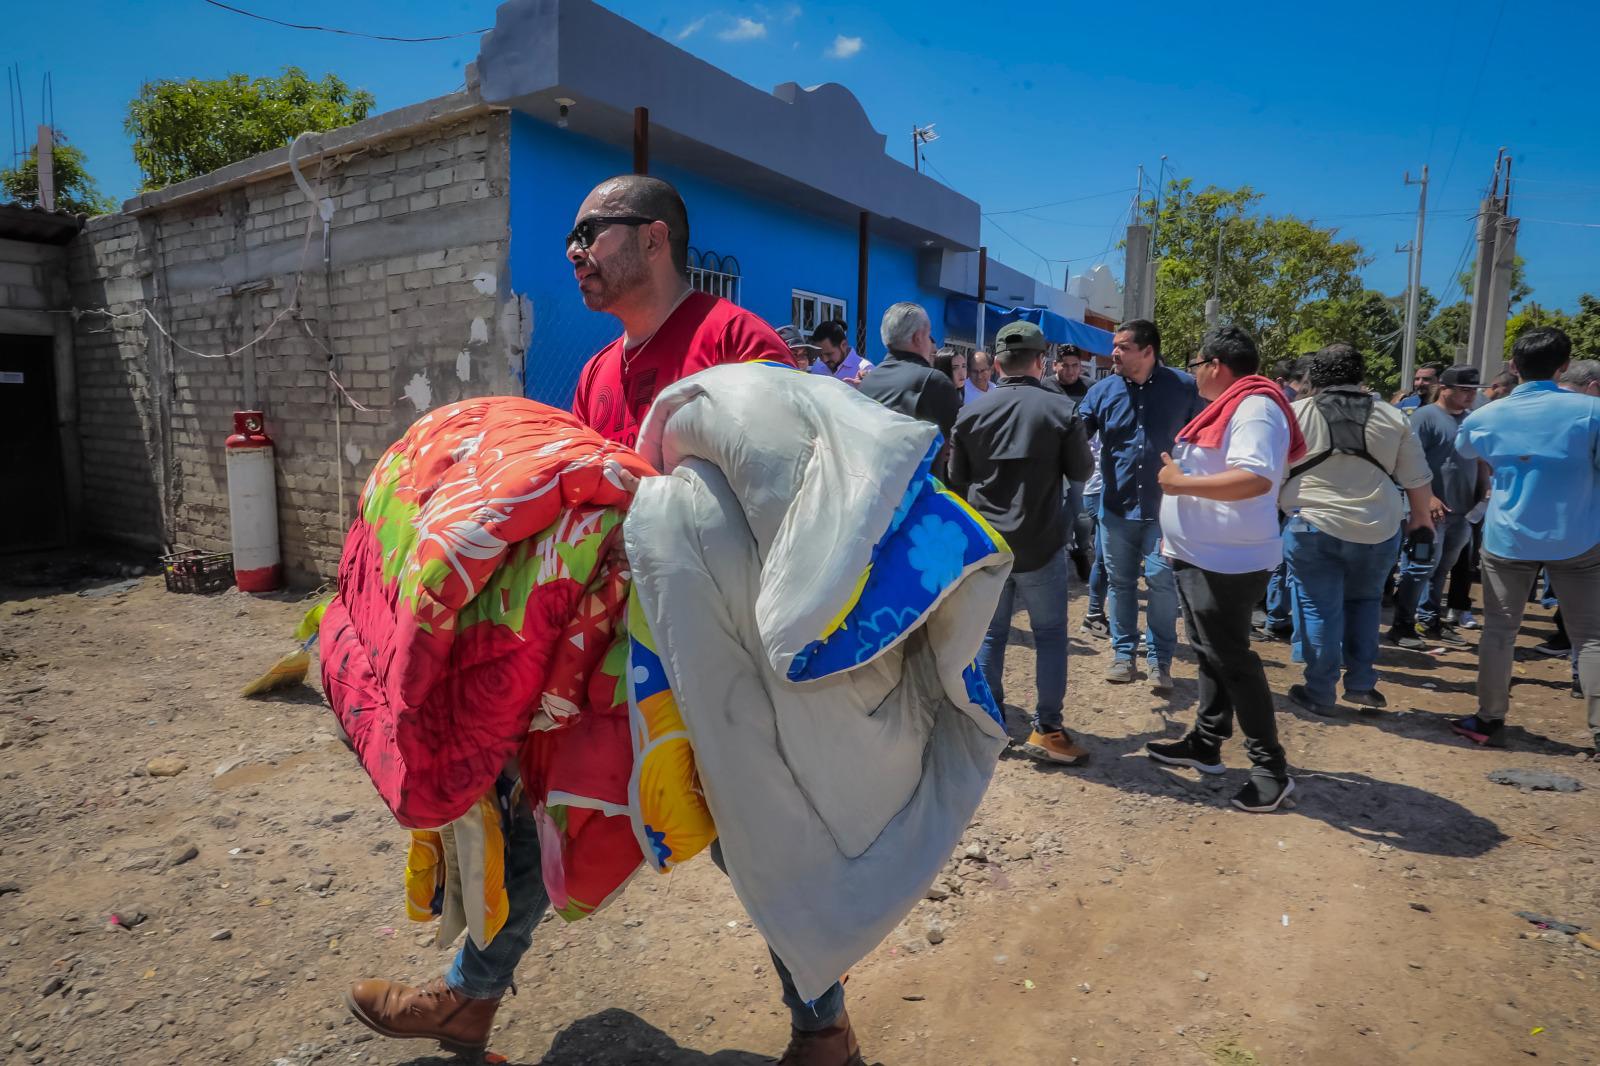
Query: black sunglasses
x,y
588,230
1198,362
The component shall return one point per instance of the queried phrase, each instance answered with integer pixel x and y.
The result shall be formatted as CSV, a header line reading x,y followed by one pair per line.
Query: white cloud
x,y
744,29
844,47
691,29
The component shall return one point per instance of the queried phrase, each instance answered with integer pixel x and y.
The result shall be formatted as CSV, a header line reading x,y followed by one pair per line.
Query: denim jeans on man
x,y
1419,595
484,973
1132,546
1097,571
1044,595
1339,597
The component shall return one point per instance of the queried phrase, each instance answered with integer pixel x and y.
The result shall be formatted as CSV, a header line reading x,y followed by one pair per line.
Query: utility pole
x,y
1408,359
1491,275
1214,305
983,298
47,168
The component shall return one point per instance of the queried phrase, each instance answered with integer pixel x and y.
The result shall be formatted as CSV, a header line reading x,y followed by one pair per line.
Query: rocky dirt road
x,y
1115,914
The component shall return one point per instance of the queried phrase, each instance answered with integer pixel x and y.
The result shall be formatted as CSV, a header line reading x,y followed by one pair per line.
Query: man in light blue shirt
x,y
1543,445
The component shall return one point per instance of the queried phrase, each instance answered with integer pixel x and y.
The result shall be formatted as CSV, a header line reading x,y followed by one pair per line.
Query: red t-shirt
x,y
704,331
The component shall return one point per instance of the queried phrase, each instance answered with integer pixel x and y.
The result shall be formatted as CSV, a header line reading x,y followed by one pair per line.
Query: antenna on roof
x,y
920,135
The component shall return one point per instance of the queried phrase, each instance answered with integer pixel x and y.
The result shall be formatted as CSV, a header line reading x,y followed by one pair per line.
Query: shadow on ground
x,y
614,1037
1385,812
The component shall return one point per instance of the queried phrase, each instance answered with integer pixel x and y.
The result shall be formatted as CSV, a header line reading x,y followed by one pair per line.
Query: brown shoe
x,y
433,1012
833,1046
1055,746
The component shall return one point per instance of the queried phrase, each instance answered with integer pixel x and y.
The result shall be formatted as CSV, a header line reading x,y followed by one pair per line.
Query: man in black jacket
x,y
1012,448
906,381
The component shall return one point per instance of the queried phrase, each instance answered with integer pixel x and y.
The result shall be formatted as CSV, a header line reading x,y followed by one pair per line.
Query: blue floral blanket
x,y
814,599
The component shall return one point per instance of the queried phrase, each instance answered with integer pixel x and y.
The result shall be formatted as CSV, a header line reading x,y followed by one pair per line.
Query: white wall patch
x,y
352,452
464,365
480,332
485,282
419,391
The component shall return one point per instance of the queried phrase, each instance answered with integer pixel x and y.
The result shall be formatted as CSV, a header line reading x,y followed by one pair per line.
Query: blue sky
x,y
1323,109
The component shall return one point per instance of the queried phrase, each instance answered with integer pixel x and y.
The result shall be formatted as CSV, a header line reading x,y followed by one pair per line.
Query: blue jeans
x,y
1420,593
1044,595
1097,571
487,972
1340,597
1129,545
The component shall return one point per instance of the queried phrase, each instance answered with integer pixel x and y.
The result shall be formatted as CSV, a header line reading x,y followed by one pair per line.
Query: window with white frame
x,y
811,309
714,274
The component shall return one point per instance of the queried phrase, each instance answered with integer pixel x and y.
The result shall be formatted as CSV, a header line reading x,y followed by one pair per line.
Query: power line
x,y
1472,97
1056,203
345,33
1050,273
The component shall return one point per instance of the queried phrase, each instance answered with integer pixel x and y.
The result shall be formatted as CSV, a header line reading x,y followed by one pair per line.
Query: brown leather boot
x,y
433,1012
833,1046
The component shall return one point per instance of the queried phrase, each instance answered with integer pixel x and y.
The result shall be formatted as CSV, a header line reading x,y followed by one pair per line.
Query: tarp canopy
x,y
961,314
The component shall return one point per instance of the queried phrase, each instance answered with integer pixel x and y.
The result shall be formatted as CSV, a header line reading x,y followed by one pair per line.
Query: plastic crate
x,y
192,570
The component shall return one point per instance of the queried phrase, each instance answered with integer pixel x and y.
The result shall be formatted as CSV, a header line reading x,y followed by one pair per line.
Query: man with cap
x,y
802,351
1065,378
1012,448
1458,484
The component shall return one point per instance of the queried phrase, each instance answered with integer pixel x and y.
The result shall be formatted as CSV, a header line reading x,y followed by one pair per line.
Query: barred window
x,y
714,274
809,310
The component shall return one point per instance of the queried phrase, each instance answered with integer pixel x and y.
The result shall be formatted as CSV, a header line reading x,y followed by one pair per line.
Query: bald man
x,y
629,250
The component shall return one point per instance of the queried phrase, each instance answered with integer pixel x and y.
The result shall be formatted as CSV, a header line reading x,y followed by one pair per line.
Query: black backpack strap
x,y
1346,414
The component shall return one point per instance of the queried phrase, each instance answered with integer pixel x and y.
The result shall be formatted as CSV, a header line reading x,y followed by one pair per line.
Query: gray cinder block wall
x,y
411,302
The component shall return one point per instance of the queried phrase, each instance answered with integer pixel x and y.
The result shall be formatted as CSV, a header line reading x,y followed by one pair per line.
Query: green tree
x,y
1584,328
1272,269
75,190
1444,335
1371,321
1533,316
182,129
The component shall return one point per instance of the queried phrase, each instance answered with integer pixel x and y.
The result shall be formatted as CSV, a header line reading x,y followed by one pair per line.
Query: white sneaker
x,y
1464,620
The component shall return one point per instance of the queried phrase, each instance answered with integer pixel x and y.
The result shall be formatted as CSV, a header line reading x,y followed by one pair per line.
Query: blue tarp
x,y
961,314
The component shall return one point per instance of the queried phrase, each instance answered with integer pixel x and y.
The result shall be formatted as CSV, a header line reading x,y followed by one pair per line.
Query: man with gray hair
x,y
906,380
1583,376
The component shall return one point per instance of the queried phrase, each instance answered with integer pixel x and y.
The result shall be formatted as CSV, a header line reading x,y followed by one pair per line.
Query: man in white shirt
x,y
1219,526
980,375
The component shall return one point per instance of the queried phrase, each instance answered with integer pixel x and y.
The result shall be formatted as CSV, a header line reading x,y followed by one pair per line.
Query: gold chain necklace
x,y
629,357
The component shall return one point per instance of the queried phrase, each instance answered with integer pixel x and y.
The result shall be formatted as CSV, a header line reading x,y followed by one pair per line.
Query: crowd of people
x,y
1212,480
1222,488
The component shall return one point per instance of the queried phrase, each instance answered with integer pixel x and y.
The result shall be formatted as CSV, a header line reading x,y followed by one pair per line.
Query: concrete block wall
x,y
31,276
409,310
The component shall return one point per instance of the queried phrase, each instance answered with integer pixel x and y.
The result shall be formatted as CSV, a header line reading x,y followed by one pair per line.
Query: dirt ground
x,y
1120,913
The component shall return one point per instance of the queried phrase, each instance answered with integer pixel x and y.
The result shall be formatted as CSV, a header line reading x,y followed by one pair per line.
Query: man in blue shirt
x,y
1424,386
1543,445
1138,411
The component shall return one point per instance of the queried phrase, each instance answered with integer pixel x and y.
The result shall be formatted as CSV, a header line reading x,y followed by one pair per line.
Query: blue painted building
x,y
770,226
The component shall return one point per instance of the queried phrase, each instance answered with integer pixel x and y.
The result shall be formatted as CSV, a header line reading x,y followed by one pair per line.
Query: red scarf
x,y
1207,428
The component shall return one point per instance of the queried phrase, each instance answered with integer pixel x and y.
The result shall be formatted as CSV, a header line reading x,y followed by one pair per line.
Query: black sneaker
x,y
1095,625
1187,752
1369,698
1405,637
1555,648
1263,793
1446,635
1300,696
1577,689
1273,633
1481,731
